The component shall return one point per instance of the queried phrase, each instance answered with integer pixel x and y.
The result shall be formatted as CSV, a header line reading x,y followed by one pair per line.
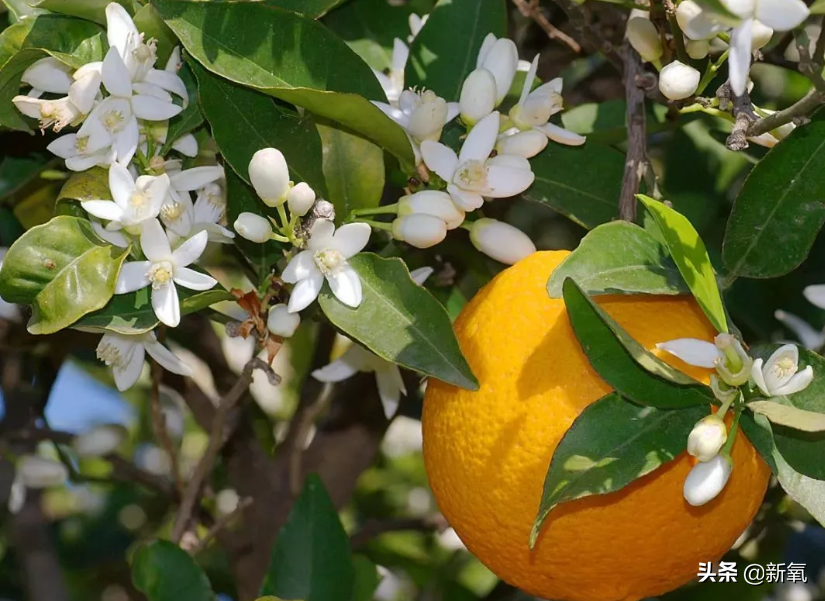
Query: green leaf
x,y
785,414
17,174
20,9
818,7
91,10
367,579
310,8
619,257
92,184
690,255
63,270
400,321
311,558
610,444
804,451
133,314
287,56
581,183
781,207
244,121
808,492
353,168
624,363
445,51
241,199
164,572
189,118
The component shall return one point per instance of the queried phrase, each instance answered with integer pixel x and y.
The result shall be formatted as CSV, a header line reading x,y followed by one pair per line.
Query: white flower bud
x,y
525,143
695,22
253,227
644,37
502,62
761,33
678,81
697,49
706,480
707,438
428,117
478,96
432,202
419,230
281,322
501,241
39,472
269,175
100,440
300,199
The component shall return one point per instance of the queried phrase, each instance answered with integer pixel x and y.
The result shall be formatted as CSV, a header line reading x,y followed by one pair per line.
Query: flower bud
x,y
678,81
269,175
253,227
707,438
432,202
478,96
281,322
100,440
695,22
722,391
502,62
525,143
761,33
39,472
697,49
428,117
706,480
501,241
419,230
644,37
300,199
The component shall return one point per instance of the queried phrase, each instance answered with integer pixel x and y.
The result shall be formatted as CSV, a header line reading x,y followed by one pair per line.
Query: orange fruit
x,y
487,452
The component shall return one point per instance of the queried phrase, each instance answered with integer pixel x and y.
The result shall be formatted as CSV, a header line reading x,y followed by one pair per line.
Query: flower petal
x,y
115,75
103,209
809,336
464,200
191,250
815,294
154,109
782,15
393,113
168,81
83,92
306,291
320,236
528,80
797,383
390,388
420,275
112,237
166,305
507,181
194,280
439,158
186,145
453,109
154,242
197,177
480,141
64,146
125,376
340,369
561,135
759,378
132,277
119,27
346,286
692,351
739,60
126,142
166,358
351,239
299,268
775,375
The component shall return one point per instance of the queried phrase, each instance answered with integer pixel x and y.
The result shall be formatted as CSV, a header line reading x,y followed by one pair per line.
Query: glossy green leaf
x,y
309,8
581,183
353,168
400,321
133,314
610,444
624,363
781,207
690,255
244,121
163,571
446,49
191,117
311,558
240,198
92,184
149,23
782,412
619,257
17,175
288,56
91,10
63,270
367,578
20,9
808,492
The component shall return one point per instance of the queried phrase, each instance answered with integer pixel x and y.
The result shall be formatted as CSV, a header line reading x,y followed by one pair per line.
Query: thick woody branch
x,y
636,158
744,117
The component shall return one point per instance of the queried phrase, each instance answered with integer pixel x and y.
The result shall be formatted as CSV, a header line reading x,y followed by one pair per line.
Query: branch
x,y
375,528
636,161
812,101
744,118
532,10
220,524
159,426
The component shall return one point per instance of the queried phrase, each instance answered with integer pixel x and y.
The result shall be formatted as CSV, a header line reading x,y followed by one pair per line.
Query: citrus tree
x,y
573,246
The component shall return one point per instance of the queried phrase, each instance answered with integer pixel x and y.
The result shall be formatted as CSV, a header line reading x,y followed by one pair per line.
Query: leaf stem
x,y
378,225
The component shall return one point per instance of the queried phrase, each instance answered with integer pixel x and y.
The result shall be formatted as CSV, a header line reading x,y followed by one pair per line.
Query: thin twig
x,y
221,523
216,439
636,160
159,426
744,117
812,101
299,430
532,10
375,528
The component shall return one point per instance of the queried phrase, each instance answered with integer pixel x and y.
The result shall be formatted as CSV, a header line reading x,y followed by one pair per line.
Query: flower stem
x,y
734,429
710,72
383,210
280,238
378,225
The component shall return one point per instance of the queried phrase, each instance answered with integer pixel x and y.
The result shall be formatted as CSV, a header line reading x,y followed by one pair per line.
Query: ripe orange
x,y
487,452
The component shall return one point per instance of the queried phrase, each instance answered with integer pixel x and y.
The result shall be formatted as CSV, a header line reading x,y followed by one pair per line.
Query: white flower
x,y
810,337
100,440
269,175
125,355
326,258
419,229
59,113
163,269
473,175
432,202
135,201
423,115
47,75
707,438
93,148
678,81
178,212
501,241
725,354
281,322
499,57
699,353
478,96
300,199
522,143
39,472
253,227
706,480
209,213
778,376
644,37
815,295
697,23
393,82
535,108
